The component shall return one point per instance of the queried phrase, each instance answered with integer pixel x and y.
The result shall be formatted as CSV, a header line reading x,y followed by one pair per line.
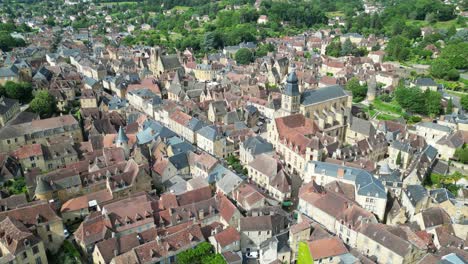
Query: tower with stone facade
x,y
290,99
122,142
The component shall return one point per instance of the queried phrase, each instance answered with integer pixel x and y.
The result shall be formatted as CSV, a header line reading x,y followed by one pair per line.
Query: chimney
x,y
201,214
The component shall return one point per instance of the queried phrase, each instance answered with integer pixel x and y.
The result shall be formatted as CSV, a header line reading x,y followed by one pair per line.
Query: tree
x,y
464,101
334,49
449,106
462,154
264,49
456,55
203,253
43,104
7,42
347,47
212,40
440,68
21,91
398,48
244,56
398,159
432,102
359,91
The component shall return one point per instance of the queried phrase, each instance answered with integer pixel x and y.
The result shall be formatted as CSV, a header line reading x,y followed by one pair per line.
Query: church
x,y
329,106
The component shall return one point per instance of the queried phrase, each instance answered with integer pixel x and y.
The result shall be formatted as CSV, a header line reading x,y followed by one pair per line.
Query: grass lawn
x,y
390,108
116,3
334,14
180,8
438,24
385,117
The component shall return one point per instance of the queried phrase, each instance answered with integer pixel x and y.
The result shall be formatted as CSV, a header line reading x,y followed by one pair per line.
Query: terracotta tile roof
x,y
33,214
53,122
327,247
109,247
168,200
82,202
14,235
331,203
227,236
247,195
163,247
94,229
27,151
294,129
194,196
226,208
296,228
131,212
180,118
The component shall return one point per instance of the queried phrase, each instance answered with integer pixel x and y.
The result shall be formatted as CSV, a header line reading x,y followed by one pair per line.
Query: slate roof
x,y
435,126
226,180
117,103
441,195
402,146
209,132
425,82
311,97
362,126
170,62
195,124
179,161
6,104
121,136
292,87
379,234
257,145
7,72
182,147
415,193
43,74
365,183
146,135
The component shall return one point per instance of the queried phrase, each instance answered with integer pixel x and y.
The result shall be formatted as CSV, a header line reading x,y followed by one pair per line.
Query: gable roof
x,y
320,95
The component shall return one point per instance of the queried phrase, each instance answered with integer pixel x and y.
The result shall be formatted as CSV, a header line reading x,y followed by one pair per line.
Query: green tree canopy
x,y
21,91
359,91
244,56
201,254
43,104
464,101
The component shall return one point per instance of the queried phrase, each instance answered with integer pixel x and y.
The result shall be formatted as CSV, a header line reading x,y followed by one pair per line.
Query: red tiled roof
x,y
327,247
27,151
227,236
194,196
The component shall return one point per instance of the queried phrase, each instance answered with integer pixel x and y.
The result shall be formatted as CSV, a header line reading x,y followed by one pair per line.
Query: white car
x,y
253,254
66,233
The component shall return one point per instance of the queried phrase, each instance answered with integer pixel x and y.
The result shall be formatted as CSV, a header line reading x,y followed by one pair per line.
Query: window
x,y
8,141
35,250
47,227
50,238
31,158
38,260
25,255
